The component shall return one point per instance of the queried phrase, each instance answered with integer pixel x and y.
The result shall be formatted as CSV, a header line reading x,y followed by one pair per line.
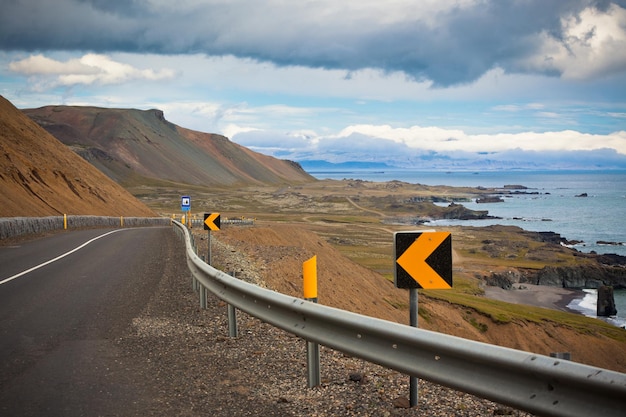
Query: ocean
x,y
584,206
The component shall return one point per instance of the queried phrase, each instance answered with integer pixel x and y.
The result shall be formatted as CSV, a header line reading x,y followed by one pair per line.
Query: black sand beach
x,y
536,295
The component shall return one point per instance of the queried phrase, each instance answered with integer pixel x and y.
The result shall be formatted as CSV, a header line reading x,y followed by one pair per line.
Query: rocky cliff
x,y
593,276
574,277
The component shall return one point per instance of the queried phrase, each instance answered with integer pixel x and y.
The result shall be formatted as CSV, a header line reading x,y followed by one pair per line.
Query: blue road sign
x,y
185,203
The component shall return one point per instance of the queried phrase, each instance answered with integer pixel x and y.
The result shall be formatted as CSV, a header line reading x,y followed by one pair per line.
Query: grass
x,y
501,313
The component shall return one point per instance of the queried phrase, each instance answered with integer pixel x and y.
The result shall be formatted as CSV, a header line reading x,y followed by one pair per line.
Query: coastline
x,y
555,298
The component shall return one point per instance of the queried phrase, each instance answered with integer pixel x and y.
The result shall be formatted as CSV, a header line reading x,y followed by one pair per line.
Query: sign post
x,y
211,222
423,260
185,207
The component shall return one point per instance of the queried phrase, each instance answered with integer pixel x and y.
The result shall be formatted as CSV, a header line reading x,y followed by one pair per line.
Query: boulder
x,y
499,280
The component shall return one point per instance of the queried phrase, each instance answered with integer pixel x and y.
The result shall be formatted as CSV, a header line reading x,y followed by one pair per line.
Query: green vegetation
x,y
424,313
481,327
500,313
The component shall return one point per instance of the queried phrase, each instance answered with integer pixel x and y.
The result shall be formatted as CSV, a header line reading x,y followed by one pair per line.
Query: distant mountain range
x,y
512,160
319,165
380,153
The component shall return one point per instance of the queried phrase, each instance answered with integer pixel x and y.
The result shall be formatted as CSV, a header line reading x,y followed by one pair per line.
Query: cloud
x,y
281,140
591,44
514,108
447,140
443,42
405,146
89,69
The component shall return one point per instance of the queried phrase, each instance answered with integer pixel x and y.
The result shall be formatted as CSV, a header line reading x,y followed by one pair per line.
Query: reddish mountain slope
x,y
128,144
40,177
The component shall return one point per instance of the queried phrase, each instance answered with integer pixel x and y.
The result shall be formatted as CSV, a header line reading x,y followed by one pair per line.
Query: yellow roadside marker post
x,y
309,272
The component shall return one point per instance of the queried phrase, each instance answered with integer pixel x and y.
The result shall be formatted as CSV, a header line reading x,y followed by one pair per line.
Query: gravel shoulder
x,y
191,367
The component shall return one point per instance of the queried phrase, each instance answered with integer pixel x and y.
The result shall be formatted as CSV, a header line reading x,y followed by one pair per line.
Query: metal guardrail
x,y
17,226
535,383
226,221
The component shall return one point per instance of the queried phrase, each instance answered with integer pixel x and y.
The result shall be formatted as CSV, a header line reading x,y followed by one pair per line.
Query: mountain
x,y
134,146
316,165
40,177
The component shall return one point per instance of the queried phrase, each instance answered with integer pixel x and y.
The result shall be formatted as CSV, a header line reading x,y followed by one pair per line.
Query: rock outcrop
x,y
459,211
593,276
589,276
606,302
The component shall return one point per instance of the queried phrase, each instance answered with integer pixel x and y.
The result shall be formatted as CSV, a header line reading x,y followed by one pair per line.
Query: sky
x,y
430,84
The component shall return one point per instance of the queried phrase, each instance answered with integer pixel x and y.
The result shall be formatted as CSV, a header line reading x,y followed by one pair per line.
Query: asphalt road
x,y
60,323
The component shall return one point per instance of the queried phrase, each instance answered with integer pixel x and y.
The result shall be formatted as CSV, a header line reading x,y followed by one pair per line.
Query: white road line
x,y
4,281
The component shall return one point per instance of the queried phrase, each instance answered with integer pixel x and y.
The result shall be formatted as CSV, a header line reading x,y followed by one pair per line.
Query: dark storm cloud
x,y
446,45
117,7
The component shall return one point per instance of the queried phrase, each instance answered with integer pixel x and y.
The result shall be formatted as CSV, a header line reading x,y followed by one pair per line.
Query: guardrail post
x,y
313,363
232,317
232,321
203,297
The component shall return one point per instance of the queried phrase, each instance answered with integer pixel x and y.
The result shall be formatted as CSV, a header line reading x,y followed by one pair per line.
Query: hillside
x,y
39,177
137,147
272,254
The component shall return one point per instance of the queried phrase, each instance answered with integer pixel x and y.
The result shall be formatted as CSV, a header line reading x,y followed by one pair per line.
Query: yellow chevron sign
x,y
423,260
211,221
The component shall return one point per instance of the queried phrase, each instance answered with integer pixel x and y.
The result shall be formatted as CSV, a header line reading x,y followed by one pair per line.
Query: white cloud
x,y
592,45
277,143
88,69
231,130
41,65
548,114
514,108
431,147
445,140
